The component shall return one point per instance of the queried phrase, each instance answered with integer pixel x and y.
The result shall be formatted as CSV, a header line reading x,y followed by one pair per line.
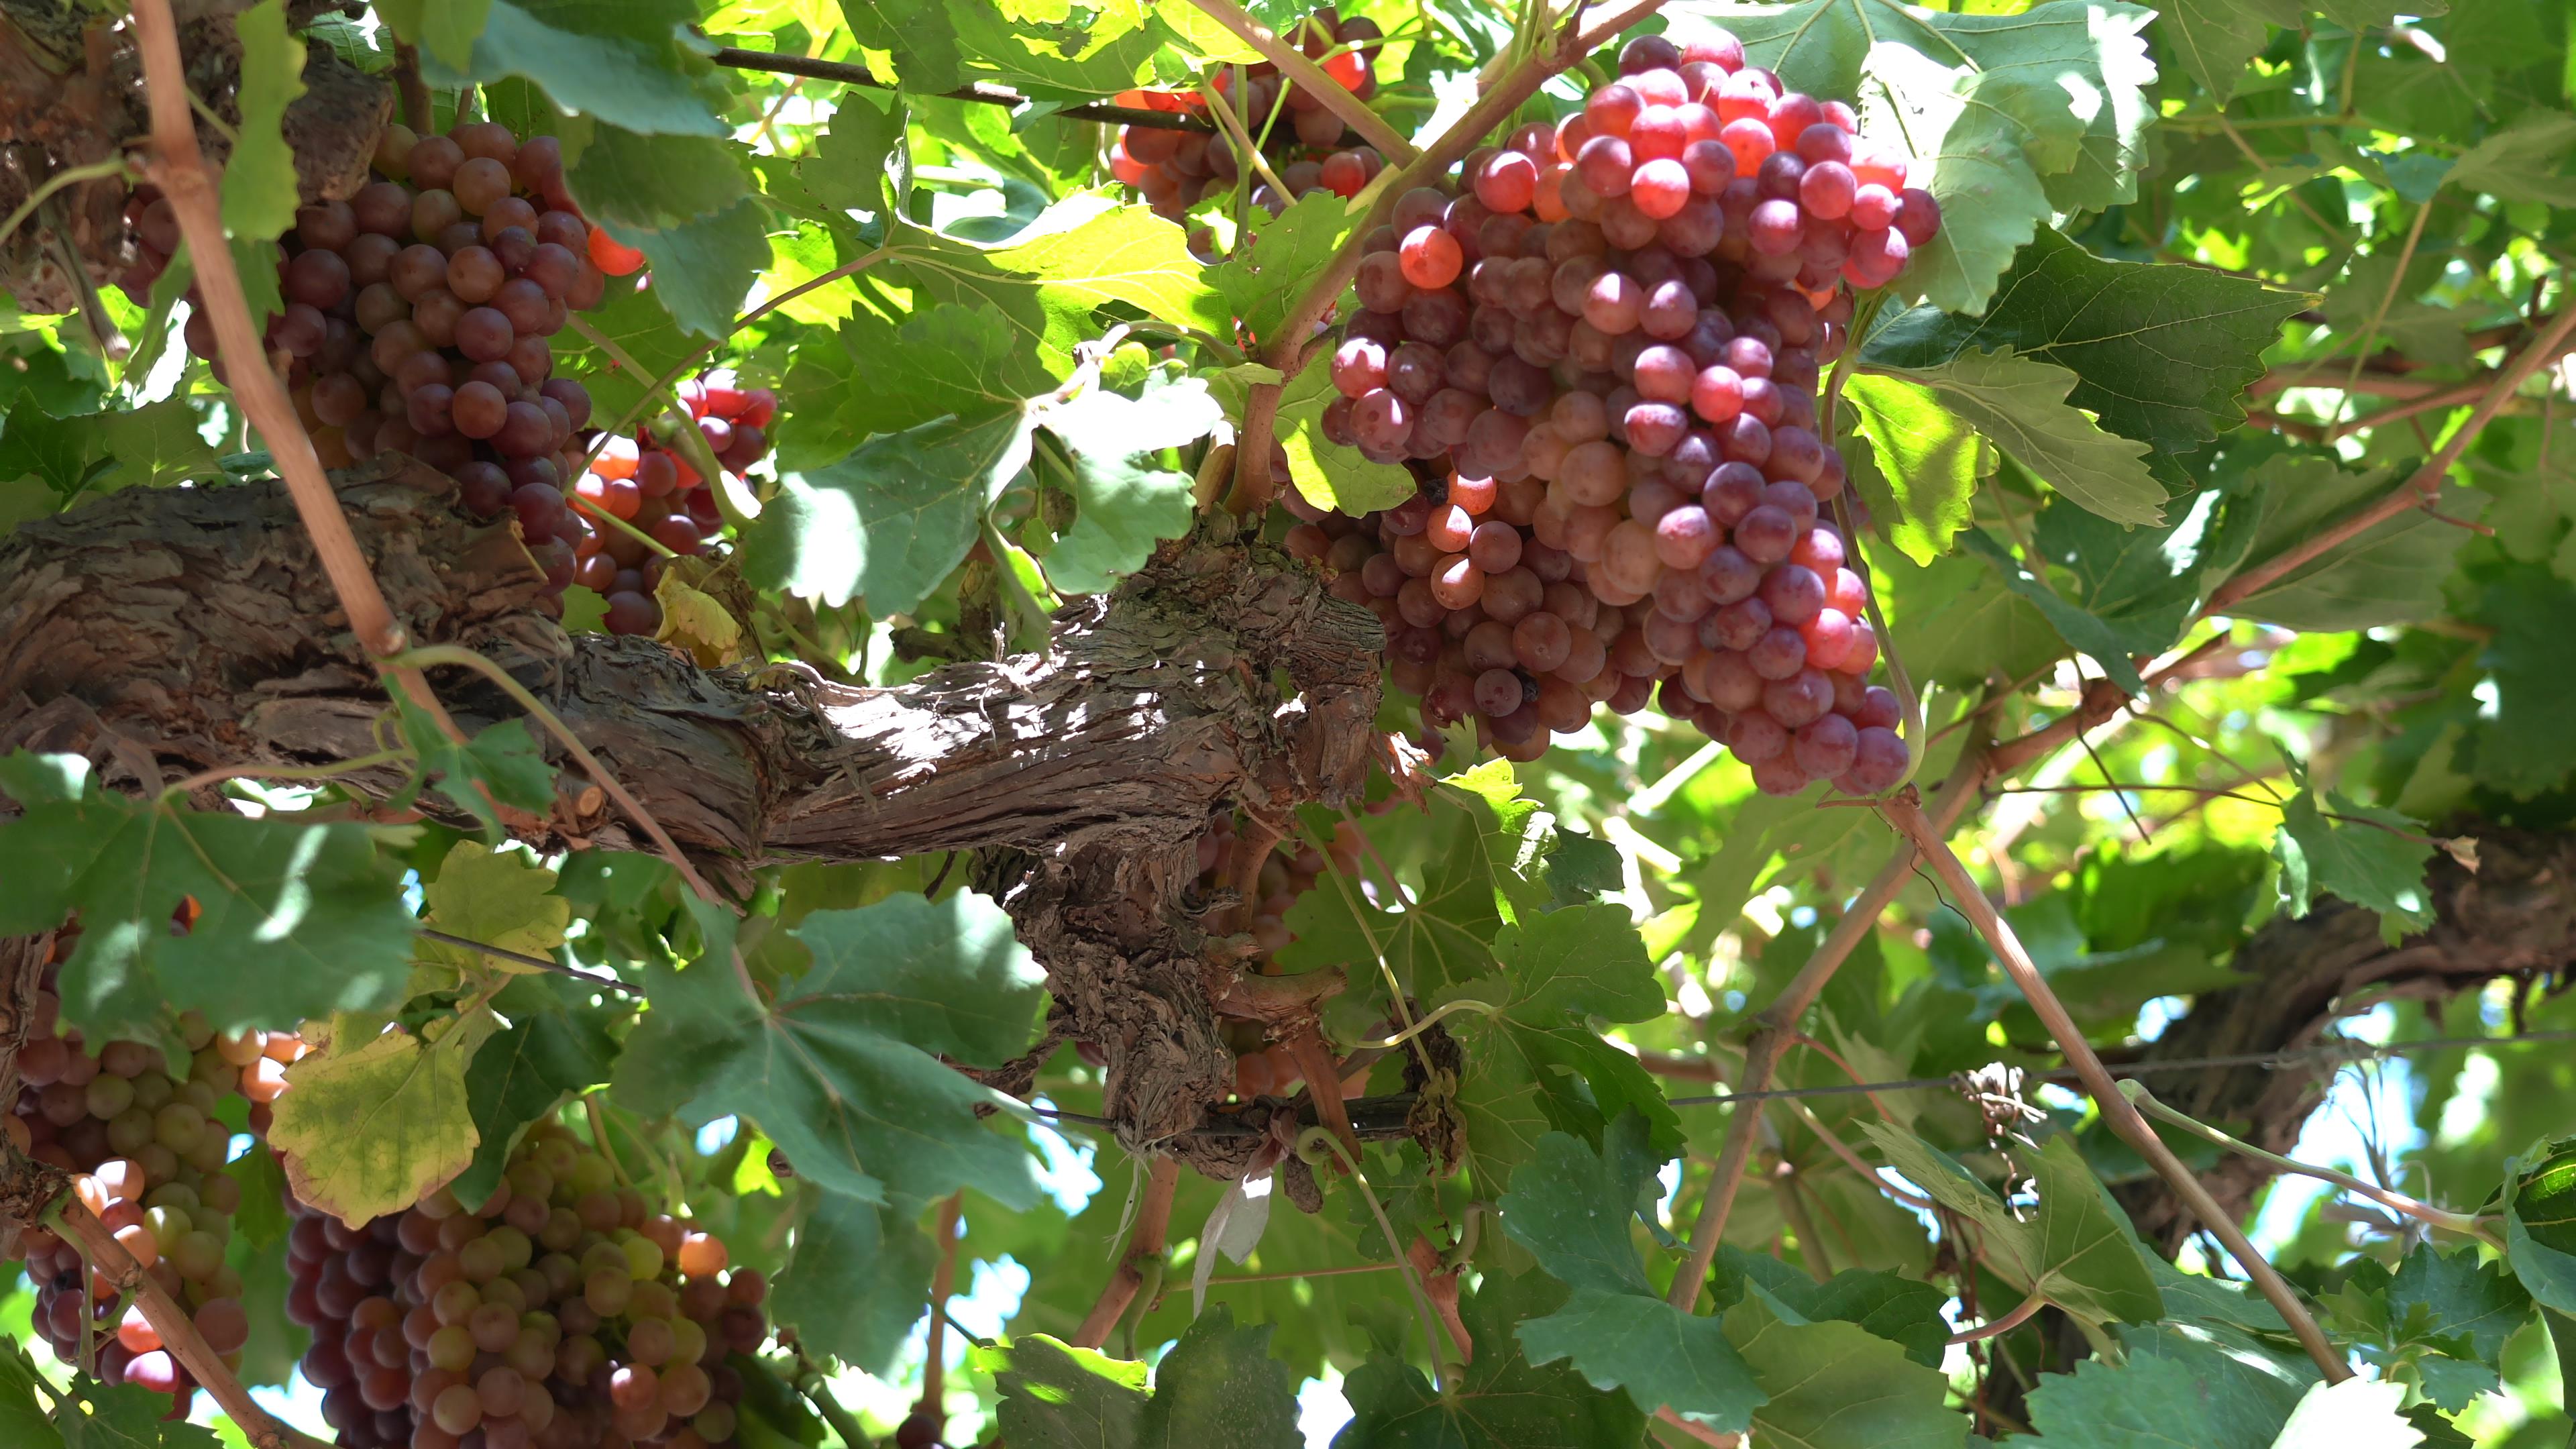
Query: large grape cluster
x,y
563,1314
1300,137
1603,362
642,480
417,316
147,1154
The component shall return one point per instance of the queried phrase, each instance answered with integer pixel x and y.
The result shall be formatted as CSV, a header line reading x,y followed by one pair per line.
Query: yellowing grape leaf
x,y
501,898
371,1126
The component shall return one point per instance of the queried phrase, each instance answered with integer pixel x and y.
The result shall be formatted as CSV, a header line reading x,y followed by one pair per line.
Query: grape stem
x,y
1286,351
1232,125
180,169
177,1330
1431,1337
732,499
943,1284
417,111
68,176
1153,1222
2118,1112
2020,1315
1294,65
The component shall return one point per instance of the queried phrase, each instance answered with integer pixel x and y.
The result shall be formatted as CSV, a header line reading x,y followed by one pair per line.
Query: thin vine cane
x,y
1970,900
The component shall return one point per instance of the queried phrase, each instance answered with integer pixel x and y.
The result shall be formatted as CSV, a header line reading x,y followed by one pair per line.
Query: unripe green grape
x,y
214,1147
129,1131
200,1095
194,1030
481,1259
152,1091
177,1126
714,1423
558,1156
172,1194
688,1341
160,1164
530,1179
168,1225
592,1174
455,1302
452,1348
517,1251
577,1358
532,1354
107,1095
458,1410
209,1067
643,1257
197,1254
686,1390
218,1226
602,1257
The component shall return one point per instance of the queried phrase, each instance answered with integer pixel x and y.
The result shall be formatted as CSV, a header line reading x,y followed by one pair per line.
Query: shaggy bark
x,y
2513,917
170,632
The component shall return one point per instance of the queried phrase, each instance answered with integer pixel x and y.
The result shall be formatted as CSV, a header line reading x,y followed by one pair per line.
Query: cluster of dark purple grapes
x,y
564,1314
1603,360
147,1155
644,481
417,317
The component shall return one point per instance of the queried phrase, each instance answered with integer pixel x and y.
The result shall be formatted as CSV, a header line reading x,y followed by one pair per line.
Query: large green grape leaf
x,y
1218,1388
2523,746
703,267
2370,856
1500,1401
94,1415
2391,573
22,1417
2172,1388
918,37
297,920
2019,116
1280,256
2108,645
1575,1210
2078,1251
889,521
643,330
444,29
2540,1229
859,1279
1835,1385
499,898
1921,466
843,1068
2143,583
1126,500
620,63
373,1122
1905,1311
956,361
2213,39
638,181
2521,161
1081,254
2019,404
2161,353
1526,1055
2354,1414
555,1046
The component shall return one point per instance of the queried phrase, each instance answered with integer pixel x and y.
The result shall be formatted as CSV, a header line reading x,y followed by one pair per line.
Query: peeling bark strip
x,y
2516,916
191,629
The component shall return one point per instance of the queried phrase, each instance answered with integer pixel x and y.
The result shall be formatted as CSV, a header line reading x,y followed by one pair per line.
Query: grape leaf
x,y
500,763
2161,353
641,326
370,1126
443,28
2520,162
2143,583
1218,1387
858,1281
94,1415
1280,256
1500,1400
957,361
1526,1055
2020,115
1082,253
22,1417
2080,627
154,446
500,898
630,181
552,1049
1905,1311
1956,623
2522,746
2371,857
2460,1295
1328,474
2215,38
2540,1229
703,267
1834,1385
296,920
2390,574
847,169
1125,501
2190,1391
1920,470
919,37
843,1068
620,64
259,197
888,522
2019,404
1445,937
2078,1252
1575,1211
2354,1414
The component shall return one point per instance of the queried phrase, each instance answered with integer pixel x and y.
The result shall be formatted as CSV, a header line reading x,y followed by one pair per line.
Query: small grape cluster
x,y
1263,1068
643,481
417,316
147,1154
1614,343
1176,170
562,1314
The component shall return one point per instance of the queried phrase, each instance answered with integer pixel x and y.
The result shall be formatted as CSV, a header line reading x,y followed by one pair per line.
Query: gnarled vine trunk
x,y
163,633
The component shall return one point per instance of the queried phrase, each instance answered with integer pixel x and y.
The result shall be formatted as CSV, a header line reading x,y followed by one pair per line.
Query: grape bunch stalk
x,y
417,317
564,1313
1299,137
642,480
147,1148
1602,362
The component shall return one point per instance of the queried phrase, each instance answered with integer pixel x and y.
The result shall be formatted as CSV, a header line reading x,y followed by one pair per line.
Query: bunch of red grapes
x,y
641,480
564,1313
1603,363
417,317
1300,137
147,1152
